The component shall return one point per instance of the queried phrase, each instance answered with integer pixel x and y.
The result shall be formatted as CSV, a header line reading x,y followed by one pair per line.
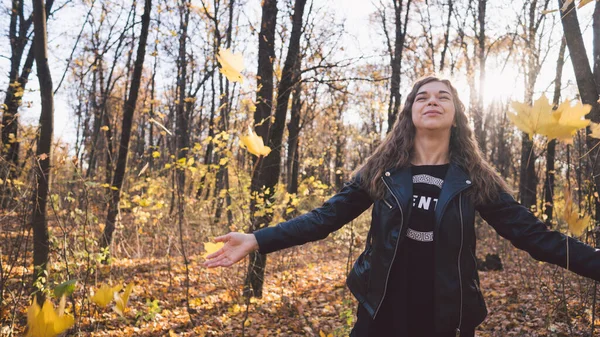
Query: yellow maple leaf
x,y
583,3
121,301
569,119
231,65
322,334
577,224
540,119
45,322
548,11
595,128
210,247
530,119
254,144
105,294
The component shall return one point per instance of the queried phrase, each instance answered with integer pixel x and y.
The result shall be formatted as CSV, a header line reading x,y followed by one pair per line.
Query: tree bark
x,y
551,151
128,112
43,151
481,56
17,83
182,118
586,82
396,60
269,169
293,137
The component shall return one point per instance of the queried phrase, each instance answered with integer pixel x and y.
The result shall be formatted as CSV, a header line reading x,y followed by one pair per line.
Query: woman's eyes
x,y
422,98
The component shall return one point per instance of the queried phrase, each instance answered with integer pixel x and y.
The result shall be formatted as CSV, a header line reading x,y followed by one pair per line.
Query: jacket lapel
x,y
456,181
401,181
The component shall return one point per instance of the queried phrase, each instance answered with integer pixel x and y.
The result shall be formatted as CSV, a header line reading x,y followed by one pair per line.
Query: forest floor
x,y
305,294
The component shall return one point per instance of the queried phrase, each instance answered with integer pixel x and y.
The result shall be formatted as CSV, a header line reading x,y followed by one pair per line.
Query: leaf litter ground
x,y
305,294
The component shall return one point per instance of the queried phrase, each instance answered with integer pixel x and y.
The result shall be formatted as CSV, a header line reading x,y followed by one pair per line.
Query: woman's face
x,y
433,108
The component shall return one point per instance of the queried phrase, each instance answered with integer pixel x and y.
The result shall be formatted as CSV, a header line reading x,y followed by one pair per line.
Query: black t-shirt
x,y
409,299
417,252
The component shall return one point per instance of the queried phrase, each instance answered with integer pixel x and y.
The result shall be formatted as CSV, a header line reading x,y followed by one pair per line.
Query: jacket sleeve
x,y
343,207
516,223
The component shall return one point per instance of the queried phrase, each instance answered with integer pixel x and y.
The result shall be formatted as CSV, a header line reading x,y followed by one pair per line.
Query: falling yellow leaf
x,y
569,119
121,301
583,3
210,247
548,11
46,322
231,65
577,224
561,124
530,119
595,128
254,144
104,128
105,294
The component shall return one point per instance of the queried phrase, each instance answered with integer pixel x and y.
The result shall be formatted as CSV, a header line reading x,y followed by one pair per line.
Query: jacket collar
x,y
456,181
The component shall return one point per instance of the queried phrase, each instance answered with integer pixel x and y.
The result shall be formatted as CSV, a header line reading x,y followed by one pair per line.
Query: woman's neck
x,y
431,150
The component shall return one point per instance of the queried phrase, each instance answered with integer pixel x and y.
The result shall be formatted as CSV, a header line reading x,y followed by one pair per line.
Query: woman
x,y
418,275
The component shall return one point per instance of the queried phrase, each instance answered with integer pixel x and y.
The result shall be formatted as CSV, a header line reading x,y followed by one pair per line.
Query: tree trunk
x,y
396,60
596,44
43,151
128,112
182,118
551,151
585,78
17,83
269,169
479,132
293,134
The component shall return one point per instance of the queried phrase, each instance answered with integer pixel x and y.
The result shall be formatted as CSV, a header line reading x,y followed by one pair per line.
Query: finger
x,y
222,238
216,254
215,262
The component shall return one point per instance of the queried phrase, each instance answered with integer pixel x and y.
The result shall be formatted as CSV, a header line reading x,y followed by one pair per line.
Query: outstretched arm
x,y
525,231
340,209
237,246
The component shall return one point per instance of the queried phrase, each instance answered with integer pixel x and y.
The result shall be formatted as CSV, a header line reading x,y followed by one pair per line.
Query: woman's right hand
x,y
237,246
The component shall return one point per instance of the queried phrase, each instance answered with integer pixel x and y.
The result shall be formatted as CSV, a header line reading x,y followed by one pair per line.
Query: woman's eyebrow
x,y
440,92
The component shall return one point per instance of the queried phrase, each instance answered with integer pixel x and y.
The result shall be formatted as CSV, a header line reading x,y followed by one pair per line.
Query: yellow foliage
x,y
254,144
595,128
231,65
322,334
121,301
45,322
210,247
577,224
583,3
105,294
561,124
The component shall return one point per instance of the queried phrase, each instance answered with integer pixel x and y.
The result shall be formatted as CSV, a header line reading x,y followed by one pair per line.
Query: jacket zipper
x,y
388,204
459,273
395,249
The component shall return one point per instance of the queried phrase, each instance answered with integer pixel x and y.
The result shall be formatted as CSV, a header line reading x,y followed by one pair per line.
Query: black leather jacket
x,y
459,302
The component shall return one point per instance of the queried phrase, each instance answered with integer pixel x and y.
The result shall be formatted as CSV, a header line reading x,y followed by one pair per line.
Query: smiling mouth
x,y
432,113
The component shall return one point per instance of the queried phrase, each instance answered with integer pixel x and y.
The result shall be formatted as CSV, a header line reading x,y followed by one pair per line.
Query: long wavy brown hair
x,y
396,151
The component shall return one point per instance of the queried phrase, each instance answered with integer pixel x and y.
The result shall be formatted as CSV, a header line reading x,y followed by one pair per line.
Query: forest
x,y
135,132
